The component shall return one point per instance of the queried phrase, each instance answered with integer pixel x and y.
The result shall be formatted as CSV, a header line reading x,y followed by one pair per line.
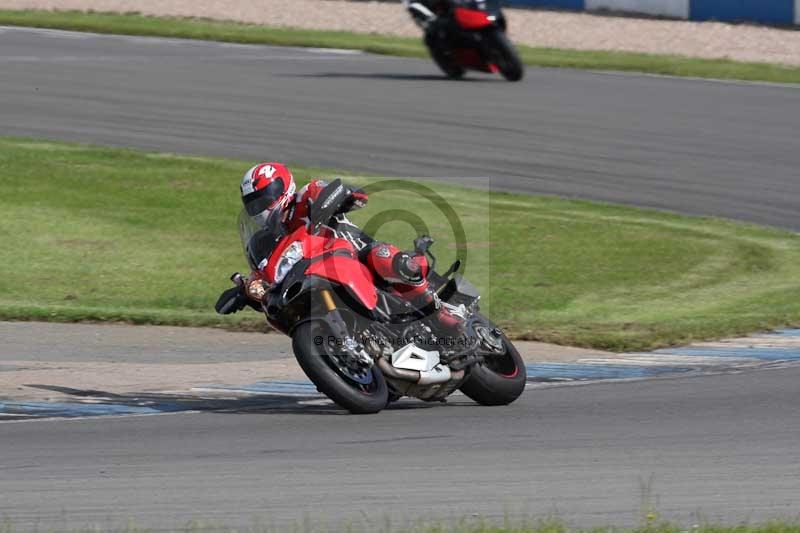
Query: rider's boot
x,y
450,322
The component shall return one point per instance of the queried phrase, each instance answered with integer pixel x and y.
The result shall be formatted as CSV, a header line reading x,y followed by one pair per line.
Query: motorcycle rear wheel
x,y
444,59
317,361
499,380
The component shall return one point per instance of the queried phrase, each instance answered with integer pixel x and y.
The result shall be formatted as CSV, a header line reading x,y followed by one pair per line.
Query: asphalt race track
x,y
721,446
698,147
718,447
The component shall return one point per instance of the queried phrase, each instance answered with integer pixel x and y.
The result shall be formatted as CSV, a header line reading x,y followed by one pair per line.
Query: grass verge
x,y
136,24
107,234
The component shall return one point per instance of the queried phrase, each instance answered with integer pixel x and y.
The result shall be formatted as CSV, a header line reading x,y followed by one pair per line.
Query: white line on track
x,y
149,40
335,51
149,59
743,83
48,32
339,51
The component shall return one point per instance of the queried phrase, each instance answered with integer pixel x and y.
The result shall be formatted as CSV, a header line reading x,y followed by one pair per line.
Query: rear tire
x,y
505,55
499,380
315,361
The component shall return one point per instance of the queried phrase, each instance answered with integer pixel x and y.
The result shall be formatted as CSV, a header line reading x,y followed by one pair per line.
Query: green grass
x,y
103,234
135,24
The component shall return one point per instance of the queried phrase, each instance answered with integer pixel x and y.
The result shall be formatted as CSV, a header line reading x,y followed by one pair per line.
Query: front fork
x,y
352,346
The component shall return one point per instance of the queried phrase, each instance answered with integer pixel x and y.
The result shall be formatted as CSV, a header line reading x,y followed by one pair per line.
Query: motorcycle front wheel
x,y
360,391
504,55
500,379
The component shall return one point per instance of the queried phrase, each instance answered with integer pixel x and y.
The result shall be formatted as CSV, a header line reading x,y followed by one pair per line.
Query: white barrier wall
x,y
666,8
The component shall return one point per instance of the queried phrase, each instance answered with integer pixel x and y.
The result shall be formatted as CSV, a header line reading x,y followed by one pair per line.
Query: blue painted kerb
x,y
587,372
581,371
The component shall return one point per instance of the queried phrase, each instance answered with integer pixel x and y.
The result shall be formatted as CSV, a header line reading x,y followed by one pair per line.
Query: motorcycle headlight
x,y
289,258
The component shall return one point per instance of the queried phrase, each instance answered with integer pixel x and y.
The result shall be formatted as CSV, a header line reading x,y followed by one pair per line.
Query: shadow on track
x,y
394,77
90,403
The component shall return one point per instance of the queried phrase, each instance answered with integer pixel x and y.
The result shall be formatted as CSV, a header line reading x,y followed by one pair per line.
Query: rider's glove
x,y
231,301
356,199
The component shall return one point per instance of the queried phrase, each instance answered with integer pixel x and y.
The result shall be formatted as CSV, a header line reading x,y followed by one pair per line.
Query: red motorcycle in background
x,y
466,35
361,344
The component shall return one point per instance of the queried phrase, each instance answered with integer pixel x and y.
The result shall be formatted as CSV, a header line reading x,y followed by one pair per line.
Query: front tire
x,y
316,361
505,56
499,380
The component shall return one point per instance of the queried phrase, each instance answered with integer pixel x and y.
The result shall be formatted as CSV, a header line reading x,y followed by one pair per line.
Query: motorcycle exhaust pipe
x,y
433,377
397,373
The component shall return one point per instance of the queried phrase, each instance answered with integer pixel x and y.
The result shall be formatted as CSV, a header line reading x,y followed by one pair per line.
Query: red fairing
x,y
349,272
469,58
313,246
345,270
316,245
471,19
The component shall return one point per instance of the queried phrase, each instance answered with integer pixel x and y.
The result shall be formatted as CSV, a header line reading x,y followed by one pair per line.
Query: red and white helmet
x,y
267,188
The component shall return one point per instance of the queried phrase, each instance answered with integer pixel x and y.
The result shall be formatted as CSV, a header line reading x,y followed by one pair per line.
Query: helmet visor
x,y
260,201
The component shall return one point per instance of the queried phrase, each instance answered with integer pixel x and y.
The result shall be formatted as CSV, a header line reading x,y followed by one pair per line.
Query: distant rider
x,y
269,197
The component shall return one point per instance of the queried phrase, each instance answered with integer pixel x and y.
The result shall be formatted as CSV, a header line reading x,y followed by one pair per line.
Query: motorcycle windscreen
x,y
259,240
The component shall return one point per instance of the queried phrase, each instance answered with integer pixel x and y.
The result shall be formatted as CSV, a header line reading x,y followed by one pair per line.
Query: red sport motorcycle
x,y
466,35
361,344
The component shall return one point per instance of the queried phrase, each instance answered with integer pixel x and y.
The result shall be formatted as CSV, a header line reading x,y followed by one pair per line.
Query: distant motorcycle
x,y
361,344
467,35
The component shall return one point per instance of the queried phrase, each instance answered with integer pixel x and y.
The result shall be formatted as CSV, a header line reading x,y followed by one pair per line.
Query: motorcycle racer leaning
x,y
269,196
